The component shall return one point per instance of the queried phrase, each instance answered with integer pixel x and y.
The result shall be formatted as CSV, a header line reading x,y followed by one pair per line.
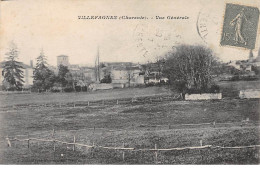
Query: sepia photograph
x,y
131,82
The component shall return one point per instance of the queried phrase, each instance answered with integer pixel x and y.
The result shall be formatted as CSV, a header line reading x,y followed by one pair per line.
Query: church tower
x,y
62,60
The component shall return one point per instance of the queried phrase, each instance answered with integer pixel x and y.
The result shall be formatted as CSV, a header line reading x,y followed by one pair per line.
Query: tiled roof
x,y
63,56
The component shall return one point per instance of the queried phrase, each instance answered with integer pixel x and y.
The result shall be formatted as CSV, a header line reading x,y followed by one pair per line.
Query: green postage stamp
x,y
240,26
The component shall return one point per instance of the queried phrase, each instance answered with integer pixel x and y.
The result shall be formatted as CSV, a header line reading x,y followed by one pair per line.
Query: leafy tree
x,y
65,79
44,78
189,68
12,70
160,64
63,75
70,80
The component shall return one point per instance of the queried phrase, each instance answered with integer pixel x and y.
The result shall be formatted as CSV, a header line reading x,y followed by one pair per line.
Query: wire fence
x,y
108,102
52,138
122,149
213,124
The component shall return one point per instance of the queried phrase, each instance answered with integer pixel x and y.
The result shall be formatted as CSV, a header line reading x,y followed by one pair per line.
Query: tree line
x,y
44,78
189,68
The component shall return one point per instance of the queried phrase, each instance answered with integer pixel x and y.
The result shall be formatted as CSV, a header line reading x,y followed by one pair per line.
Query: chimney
x,y
31,63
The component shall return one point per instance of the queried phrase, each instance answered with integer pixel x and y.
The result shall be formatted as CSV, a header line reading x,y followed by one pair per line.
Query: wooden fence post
x,y
74,141
28,141
214,124
74,105
200,142
92,151
156,154
200,150
88,103
117,102
8,142
53,137
123,152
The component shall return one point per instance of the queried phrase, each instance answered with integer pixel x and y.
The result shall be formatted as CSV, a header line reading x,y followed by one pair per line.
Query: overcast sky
x,y
54,27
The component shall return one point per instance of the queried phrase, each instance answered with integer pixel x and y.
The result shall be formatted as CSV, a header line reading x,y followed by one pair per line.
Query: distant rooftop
x,y
117,63
62,56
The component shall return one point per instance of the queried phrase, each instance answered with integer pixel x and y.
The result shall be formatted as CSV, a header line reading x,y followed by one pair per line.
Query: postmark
x,y
240,26
153,41
208,24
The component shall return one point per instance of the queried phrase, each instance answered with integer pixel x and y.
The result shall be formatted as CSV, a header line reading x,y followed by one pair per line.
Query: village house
x,y
153,73
246,65
123,74
81,74
89,74
248,69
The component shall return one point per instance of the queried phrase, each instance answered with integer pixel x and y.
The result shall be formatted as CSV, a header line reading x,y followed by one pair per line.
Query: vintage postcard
x,y
160,82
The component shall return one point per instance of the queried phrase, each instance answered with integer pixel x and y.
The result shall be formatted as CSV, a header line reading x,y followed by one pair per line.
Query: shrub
x,y
213,89
106,79
189,68
55,90
68,89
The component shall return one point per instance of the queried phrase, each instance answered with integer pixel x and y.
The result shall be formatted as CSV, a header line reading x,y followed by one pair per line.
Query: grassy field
x,y
230,89
13,99
137,125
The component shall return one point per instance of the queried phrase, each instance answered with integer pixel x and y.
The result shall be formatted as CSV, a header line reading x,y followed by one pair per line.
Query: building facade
x,y
62,60
123,74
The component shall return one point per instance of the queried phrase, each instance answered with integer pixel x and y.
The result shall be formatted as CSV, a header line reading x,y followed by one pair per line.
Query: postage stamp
x,y
240,26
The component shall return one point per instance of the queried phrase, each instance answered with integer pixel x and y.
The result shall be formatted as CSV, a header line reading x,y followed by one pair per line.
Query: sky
x,y
54,27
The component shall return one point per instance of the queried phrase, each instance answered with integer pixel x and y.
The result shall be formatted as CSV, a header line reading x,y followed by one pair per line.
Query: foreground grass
x,y
137,126
43,153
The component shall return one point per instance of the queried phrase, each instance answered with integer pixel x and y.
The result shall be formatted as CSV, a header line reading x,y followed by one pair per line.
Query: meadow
x,y
140,125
